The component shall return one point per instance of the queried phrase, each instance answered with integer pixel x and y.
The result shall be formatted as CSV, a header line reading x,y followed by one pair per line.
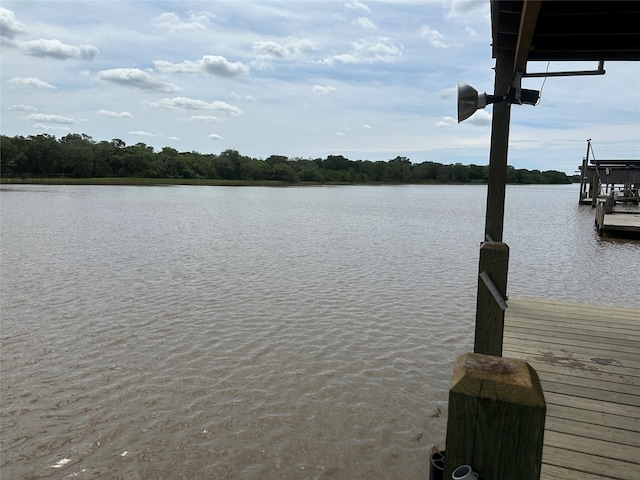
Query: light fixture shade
x,y
467,101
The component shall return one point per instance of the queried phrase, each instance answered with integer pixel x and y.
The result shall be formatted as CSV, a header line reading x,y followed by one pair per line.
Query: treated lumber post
x,y
498,150
496,418
494,260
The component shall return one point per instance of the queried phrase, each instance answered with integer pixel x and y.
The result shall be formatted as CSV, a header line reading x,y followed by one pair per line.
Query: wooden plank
x,y
602,411
552,472
538,335
604,356
629,222
591,446
588,463
571,339
596,348
619,321
549,323
610,435
631,389
594,361
575,361
607,313
587,392
584,373
596,323
559,410
588,361
584,320
597,356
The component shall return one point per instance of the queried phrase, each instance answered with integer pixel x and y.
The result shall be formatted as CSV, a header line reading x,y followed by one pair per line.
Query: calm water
x,y
260,333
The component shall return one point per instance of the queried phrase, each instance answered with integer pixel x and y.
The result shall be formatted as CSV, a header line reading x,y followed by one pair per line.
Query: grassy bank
x,y
140,181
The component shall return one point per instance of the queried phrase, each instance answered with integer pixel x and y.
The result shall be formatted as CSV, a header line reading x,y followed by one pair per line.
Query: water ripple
x,y
252,333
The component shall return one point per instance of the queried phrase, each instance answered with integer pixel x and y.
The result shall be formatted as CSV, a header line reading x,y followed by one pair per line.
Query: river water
x,y
260,333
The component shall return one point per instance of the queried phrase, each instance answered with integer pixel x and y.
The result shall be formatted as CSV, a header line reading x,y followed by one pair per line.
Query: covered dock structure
x,y
495,425
620,178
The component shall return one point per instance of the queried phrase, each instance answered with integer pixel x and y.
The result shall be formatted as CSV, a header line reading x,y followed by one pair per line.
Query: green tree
x,y
169,164
399,169
77,155
137,160
285,173
43,156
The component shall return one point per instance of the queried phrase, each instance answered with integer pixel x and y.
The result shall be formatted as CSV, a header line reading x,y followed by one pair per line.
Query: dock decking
x,y
588,361
621,222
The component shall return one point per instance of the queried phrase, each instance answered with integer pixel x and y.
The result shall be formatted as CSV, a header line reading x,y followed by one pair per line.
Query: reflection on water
x,y
211,332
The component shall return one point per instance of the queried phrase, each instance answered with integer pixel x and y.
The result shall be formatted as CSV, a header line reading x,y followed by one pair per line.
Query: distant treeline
x,y
79,156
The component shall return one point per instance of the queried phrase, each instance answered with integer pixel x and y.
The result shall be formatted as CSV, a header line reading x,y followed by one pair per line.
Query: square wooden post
x,y
496,418
494,260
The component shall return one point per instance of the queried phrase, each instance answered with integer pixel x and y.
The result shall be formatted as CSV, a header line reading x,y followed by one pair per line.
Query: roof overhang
x,y
535,30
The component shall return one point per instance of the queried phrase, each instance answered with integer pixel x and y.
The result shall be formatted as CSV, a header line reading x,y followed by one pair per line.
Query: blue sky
x,y
368,80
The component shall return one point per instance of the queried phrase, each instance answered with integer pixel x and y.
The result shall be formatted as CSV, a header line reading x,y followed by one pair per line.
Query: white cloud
x,y
480,118
197,21
185,103
10,27
357,6
448,92
112,114
143,133
215,136
434,37
446,122
270,48
205,118
292,48
212,64
133,77
320,90
23,108
369,50
468,8
394,81
30,81
470,31
368,127
49,128
246,98
43,117
364,23
56,49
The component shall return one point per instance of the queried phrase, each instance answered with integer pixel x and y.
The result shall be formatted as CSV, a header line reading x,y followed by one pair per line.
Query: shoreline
x,y
135,181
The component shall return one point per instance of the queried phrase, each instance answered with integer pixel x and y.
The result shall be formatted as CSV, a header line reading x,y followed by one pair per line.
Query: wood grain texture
x,y
494,259
496,418
588,361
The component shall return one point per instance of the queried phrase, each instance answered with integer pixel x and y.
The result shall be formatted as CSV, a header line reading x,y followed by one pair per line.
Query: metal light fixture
x,y
469,100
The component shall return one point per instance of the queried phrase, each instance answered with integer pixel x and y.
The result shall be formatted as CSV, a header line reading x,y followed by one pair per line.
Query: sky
x,y
369,80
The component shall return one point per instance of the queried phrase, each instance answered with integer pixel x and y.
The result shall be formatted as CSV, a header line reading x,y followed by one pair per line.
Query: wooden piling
x,y
496,418
595,191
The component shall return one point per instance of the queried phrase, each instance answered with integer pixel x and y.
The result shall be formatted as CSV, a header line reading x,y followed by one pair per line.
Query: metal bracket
x,y
599,71
519,87
497,296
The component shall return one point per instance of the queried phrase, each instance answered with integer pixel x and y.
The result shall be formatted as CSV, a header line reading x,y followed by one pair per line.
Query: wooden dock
x,y
621,222
588,361
617,223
